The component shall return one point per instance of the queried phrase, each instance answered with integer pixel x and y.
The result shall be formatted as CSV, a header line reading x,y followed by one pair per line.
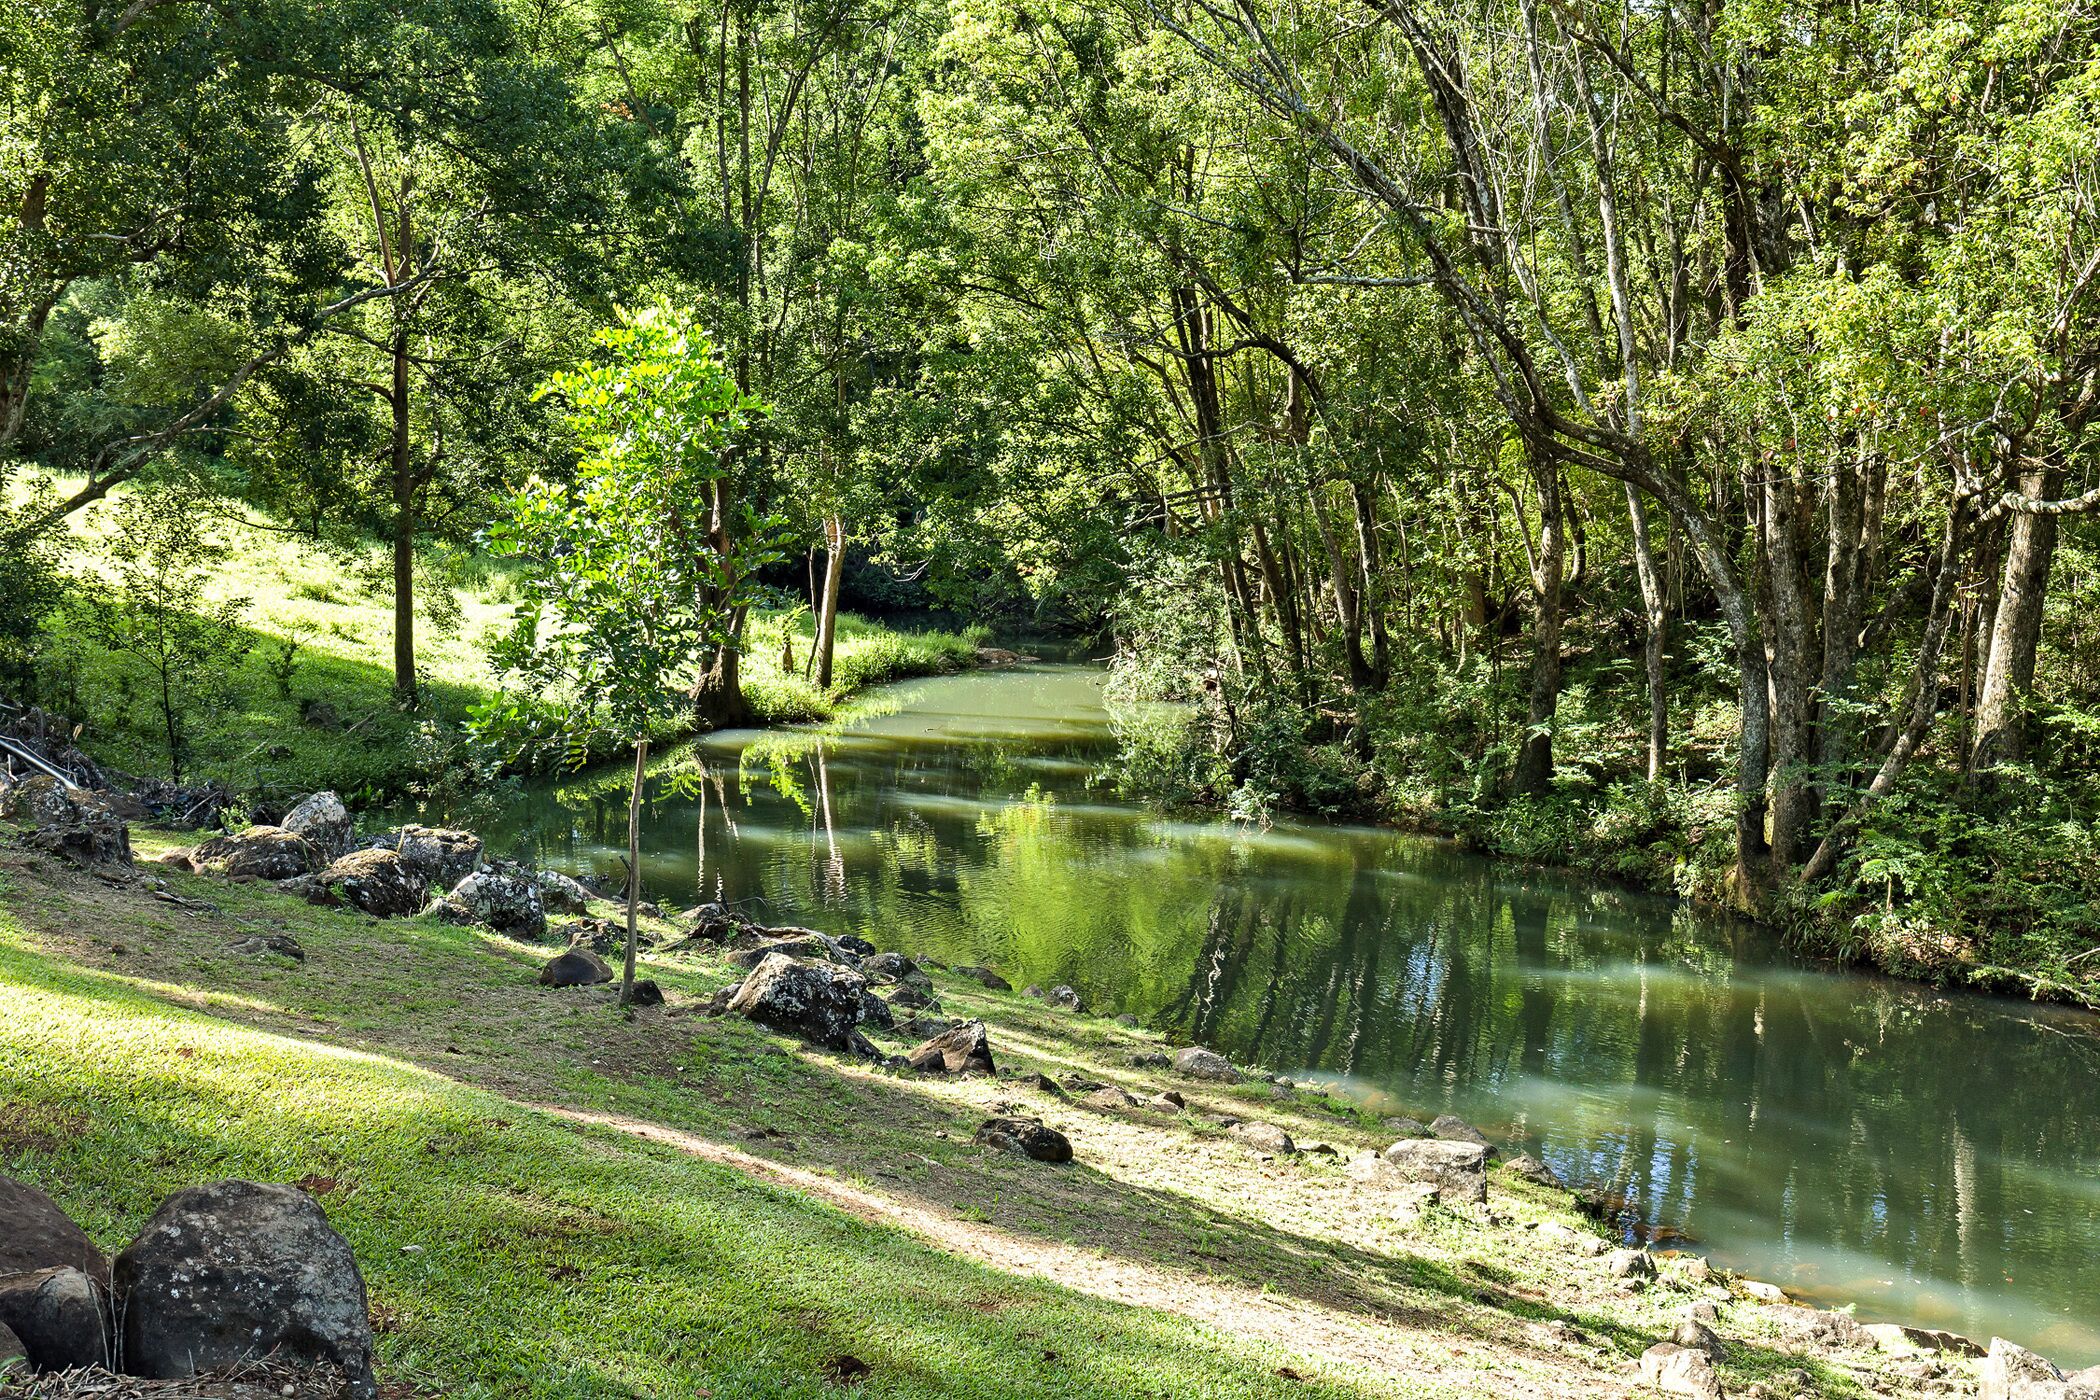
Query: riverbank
x,y
680,1200
310,705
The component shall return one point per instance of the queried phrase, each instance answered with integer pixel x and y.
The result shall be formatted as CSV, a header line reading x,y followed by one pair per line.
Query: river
x,y
1932,1157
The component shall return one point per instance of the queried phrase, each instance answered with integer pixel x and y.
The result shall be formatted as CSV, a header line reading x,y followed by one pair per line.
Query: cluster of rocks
x,y
313,851
223,1275
77,823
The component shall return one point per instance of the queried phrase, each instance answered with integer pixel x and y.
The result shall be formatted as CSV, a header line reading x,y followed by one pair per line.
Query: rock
x,y
1043,1083
2012,1372
1535,1171
888,967
282,944
1459,1169
992,980
1407,1127
59,1316
562,894
647,993
578,967
1108,1098
874,1011
913,997
323,820
1898,1340
1694,1335
1815,1325
99,841
442,856
1026,1137
818,1002
1067,997
1265,1137
509,904
925,1027
12,1354
1452,1128
1373,1170
1695,1270
35,1234
376,882
1169,1101
1674,1370
234,1270
1127,1021
1702,1311
1762,1292
260,852
1630,1263
965,1049
1199,1063
856,945
1149,1059
46,801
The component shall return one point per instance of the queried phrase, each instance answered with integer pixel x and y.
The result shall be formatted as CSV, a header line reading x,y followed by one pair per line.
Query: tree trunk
x,y
828,605
2016,630
404,529
1535,759
634,865
717,697
1655,635
1788,633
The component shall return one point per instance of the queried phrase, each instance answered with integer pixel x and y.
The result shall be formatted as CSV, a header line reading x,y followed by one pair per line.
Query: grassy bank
x,y
551,1199
320,628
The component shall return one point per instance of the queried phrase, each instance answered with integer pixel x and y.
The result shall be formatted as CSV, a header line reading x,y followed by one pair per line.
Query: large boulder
x,y
440,856
563,894
1025,1137
323,820
963,1049
1199,1063
46,801
60,1316
1453,1128
35,1234
1457,1169
236,1270
376,881
578,967
2012,1372
97,841
819,1002
509,904
261,853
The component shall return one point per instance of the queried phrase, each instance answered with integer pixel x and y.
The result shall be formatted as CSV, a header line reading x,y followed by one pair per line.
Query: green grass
x,y
337,616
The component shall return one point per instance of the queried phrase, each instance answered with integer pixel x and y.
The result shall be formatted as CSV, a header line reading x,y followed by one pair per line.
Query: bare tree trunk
x,y
1655,636
634,865
2016,630
1534,772
403,467
828,605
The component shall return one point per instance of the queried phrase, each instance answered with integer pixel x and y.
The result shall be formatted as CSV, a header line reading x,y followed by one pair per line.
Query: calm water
x,y
1934,1158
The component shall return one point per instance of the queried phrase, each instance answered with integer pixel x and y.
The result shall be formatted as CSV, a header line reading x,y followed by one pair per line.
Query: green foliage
x,y
623,588
153,612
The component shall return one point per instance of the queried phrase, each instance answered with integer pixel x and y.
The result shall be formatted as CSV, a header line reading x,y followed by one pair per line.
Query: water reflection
x,y
1935,1158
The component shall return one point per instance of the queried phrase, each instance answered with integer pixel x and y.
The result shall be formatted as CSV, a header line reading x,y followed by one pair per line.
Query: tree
x,y
154,610
624,590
